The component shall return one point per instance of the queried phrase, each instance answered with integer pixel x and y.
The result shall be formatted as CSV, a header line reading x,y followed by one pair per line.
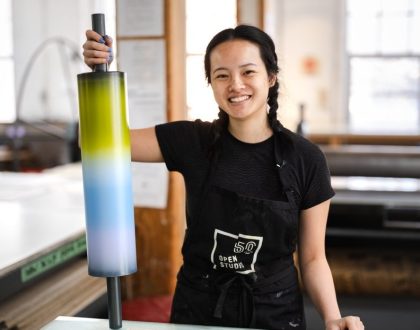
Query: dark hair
x,y
268,56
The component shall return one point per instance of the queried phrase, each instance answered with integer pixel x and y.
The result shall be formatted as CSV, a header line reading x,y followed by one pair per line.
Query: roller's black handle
x,y
114,302
98,25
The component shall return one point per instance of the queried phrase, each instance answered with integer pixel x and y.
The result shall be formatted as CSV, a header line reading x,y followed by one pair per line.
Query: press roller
x,y
106,164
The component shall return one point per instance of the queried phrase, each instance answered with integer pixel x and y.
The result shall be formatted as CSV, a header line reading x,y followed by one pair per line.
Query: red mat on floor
x,y
149,309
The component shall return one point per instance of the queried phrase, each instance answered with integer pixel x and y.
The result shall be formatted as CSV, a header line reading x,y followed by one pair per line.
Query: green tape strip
x,y
52,259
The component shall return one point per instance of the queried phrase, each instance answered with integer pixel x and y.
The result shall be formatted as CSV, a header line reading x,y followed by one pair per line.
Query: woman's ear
x,y
272,80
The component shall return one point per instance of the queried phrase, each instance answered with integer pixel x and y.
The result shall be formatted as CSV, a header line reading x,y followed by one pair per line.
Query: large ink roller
x,y
106,164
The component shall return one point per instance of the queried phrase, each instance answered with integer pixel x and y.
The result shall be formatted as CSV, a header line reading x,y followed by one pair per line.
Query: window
x,y
384,65
204,20
7,85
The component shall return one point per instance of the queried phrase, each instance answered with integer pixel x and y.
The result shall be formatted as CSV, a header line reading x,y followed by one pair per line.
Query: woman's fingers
x,y
354,323
93,45
93,57
97,49
108,41
345,323
92,35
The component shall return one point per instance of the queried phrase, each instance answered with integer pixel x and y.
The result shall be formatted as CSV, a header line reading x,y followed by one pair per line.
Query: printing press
x,y
373,230
377,200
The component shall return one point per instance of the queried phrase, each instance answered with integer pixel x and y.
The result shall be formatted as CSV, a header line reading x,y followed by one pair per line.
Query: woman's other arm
x,y
315,271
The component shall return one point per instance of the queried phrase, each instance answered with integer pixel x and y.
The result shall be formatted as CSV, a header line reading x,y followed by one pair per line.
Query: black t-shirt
x,y
245,168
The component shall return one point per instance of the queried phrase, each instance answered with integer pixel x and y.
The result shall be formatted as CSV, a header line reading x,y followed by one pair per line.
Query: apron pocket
x,y
280,310
191,306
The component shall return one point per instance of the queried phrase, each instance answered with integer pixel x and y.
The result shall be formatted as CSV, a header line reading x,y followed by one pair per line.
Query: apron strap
x,y
248,284
282,148
246,302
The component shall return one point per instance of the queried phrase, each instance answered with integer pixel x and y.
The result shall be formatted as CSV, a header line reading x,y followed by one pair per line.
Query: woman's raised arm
x,y
144,146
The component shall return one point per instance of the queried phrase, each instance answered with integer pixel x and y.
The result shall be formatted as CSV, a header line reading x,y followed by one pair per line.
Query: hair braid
x,y
273,94
219,125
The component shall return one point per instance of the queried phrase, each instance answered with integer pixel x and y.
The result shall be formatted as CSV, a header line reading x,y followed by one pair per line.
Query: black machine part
x,y
98,25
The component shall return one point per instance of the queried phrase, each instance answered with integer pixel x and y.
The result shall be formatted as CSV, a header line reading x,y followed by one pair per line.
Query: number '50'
x,y
241,247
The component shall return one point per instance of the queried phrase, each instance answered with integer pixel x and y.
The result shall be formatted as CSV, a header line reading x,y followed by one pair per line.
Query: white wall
x,y
302,29
51,86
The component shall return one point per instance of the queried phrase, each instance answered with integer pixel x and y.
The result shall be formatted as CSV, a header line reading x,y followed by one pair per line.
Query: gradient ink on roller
x,y
106,163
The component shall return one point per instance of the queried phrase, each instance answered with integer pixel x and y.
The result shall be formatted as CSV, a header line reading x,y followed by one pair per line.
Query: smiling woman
x,y
254,190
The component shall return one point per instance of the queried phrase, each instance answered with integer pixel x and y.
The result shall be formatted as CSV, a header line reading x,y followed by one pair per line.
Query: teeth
x,y
239,98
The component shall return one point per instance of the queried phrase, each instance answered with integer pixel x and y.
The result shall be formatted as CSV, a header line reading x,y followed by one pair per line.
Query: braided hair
x,y
268,56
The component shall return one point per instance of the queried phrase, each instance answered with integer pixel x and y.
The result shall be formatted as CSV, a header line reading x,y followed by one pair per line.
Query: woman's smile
x,y
239,99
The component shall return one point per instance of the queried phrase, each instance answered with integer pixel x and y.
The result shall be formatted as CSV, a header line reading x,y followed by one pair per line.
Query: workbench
x,y
43,266
71,323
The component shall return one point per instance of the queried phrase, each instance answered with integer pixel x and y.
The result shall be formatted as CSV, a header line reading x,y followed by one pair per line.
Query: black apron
x,y
238,260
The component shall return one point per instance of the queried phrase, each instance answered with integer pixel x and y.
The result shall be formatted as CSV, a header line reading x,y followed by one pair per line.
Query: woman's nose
x,y
236,83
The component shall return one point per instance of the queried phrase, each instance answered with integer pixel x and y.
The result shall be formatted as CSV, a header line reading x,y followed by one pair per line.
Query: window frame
x,y
349,55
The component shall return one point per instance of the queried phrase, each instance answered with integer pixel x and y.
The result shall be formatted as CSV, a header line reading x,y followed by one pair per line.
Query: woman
x,y
255,190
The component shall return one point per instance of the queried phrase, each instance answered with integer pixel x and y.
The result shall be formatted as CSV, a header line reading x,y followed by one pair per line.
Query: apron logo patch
x,y
235,252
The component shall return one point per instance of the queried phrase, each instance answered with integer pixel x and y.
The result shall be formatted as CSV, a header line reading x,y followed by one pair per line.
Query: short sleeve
x,y
316,177
181,143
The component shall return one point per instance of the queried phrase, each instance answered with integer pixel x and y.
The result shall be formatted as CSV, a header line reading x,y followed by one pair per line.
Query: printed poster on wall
x,y
144,62
140,18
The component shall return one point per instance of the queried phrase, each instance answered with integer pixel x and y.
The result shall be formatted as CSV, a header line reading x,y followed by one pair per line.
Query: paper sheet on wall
x,y
139,18
150,185
144,63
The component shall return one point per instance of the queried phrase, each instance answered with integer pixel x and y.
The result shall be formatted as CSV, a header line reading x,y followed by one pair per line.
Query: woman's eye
x,y
221,76
249,72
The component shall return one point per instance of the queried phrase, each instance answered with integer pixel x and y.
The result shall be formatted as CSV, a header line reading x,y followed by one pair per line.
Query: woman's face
x,y
239,79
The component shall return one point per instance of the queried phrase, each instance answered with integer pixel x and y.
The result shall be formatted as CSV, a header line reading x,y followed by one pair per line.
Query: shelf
x,y
66,292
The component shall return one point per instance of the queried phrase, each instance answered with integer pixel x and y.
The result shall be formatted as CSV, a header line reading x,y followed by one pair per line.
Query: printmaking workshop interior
x,y
349,83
